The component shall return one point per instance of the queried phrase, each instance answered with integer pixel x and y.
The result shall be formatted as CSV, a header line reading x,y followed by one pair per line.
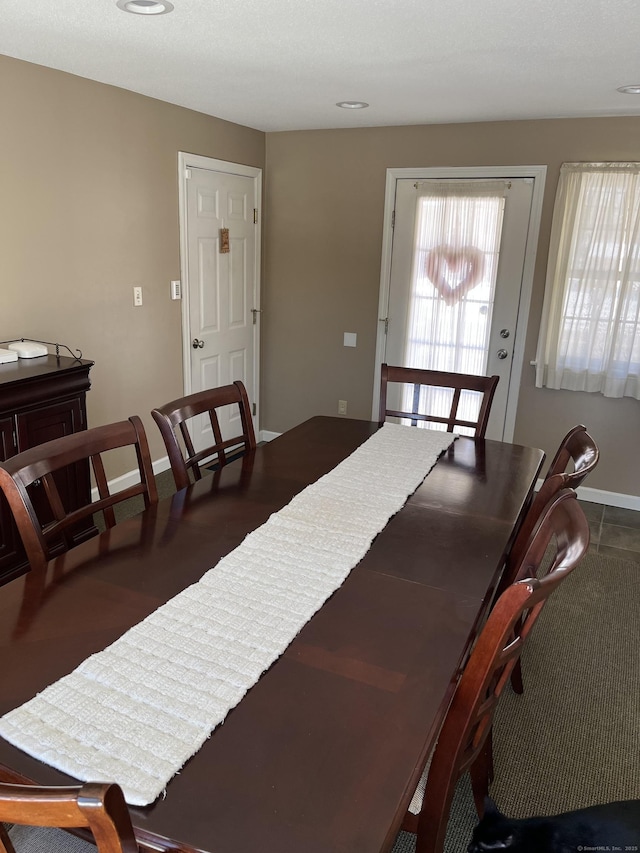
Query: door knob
x,y
502,353
196,344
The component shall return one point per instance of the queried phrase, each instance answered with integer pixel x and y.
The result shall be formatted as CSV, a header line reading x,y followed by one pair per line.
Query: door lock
x,y
502,353
196,344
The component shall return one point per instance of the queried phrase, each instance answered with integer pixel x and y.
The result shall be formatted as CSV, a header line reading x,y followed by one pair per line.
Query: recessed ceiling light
x,y
145,7
630,90
352,105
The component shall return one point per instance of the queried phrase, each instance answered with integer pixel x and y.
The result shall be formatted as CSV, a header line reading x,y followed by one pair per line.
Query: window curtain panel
x,y
589,336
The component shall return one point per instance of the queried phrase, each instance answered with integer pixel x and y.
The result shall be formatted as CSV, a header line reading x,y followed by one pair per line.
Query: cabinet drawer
x,y
9,540
48,422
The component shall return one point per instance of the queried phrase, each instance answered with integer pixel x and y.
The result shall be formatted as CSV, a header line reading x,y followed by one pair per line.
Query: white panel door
x,y
222,288
422,319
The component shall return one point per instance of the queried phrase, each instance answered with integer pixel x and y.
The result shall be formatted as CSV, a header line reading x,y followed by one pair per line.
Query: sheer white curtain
x,y
455,264
590,332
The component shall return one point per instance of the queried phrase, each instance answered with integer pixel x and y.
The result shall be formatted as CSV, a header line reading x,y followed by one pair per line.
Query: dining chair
x,y
98,807
172,419
579,452
456,383
28,481
464,743
577,448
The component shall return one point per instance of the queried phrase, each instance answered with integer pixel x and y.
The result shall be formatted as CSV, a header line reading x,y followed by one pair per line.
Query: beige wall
x,y
88,209
325,197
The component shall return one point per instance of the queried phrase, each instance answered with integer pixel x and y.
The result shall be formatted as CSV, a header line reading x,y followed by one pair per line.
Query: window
x,y
453,282
590,333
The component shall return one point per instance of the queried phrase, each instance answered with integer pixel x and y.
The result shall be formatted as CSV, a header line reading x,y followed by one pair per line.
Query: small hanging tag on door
x,y
224,241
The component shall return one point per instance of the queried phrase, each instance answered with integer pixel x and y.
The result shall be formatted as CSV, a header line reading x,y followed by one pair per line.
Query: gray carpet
x,y
572,739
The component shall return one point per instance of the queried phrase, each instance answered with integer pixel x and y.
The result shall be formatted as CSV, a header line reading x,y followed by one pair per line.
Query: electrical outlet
x,y
137,296
342,407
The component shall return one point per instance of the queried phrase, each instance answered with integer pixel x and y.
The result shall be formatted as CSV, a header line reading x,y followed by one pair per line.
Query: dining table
x,y
324,752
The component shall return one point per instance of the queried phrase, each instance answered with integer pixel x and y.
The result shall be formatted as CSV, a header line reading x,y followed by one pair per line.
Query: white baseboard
x,y
132,477
601,496
267,435
160,465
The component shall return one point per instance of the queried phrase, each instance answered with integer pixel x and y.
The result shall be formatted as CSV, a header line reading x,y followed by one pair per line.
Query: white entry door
x,y
221,266
461,252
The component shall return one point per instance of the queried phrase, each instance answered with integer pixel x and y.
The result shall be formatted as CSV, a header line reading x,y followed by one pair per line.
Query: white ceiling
x,y
283,64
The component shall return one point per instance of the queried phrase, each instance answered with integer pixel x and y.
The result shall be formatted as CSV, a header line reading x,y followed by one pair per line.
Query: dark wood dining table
x,y
324,752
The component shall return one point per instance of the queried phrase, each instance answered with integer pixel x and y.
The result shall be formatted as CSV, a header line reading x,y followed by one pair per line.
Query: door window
x,y
453,285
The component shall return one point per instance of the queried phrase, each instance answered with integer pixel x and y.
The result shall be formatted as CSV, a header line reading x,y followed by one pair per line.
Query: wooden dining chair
x,y
97,807
464,743
579,453
457,383
172,420
30,482
576,457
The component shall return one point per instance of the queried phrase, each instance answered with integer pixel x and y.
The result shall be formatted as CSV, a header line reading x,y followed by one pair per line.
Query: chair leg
x,y
434,814
432,831
516,678
480,771
489,748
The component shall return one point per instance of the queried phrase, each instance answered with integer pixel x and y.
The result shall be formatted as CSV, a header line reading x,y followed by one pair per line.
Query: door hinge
x,y
187,174
393,219
254,409
255,215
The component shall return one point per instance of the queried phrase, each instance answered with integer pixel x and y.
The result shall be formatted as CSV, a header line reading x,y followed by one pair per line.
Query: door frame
x,y
197,161
538,173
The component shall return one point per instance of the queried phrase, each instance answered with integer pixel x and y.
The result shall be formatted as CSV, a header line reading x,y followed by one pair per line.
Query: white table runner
x,y
135,712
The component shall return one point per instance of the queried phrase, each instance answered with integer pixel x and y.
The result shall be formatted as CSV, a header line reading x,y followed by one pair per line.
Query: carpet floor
x,y
571,740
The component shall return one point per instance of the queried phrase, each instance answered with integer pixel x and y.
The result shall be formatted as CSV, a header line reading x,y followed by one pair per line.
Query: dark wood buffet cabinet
x,y
41,399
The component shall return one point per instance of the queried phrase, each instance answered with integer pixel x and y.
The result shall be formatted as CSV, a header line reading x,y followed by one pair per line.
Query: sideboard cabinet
x,y
41,399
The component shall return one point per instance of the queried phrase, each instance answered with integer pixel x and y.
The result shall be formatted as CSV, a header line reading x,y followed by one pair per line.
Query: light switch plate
x,y
350,339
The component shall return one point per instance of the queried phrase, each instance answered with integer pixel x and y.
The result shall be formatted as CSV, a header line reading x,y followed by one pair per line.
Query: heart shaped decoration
x,y
454,272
